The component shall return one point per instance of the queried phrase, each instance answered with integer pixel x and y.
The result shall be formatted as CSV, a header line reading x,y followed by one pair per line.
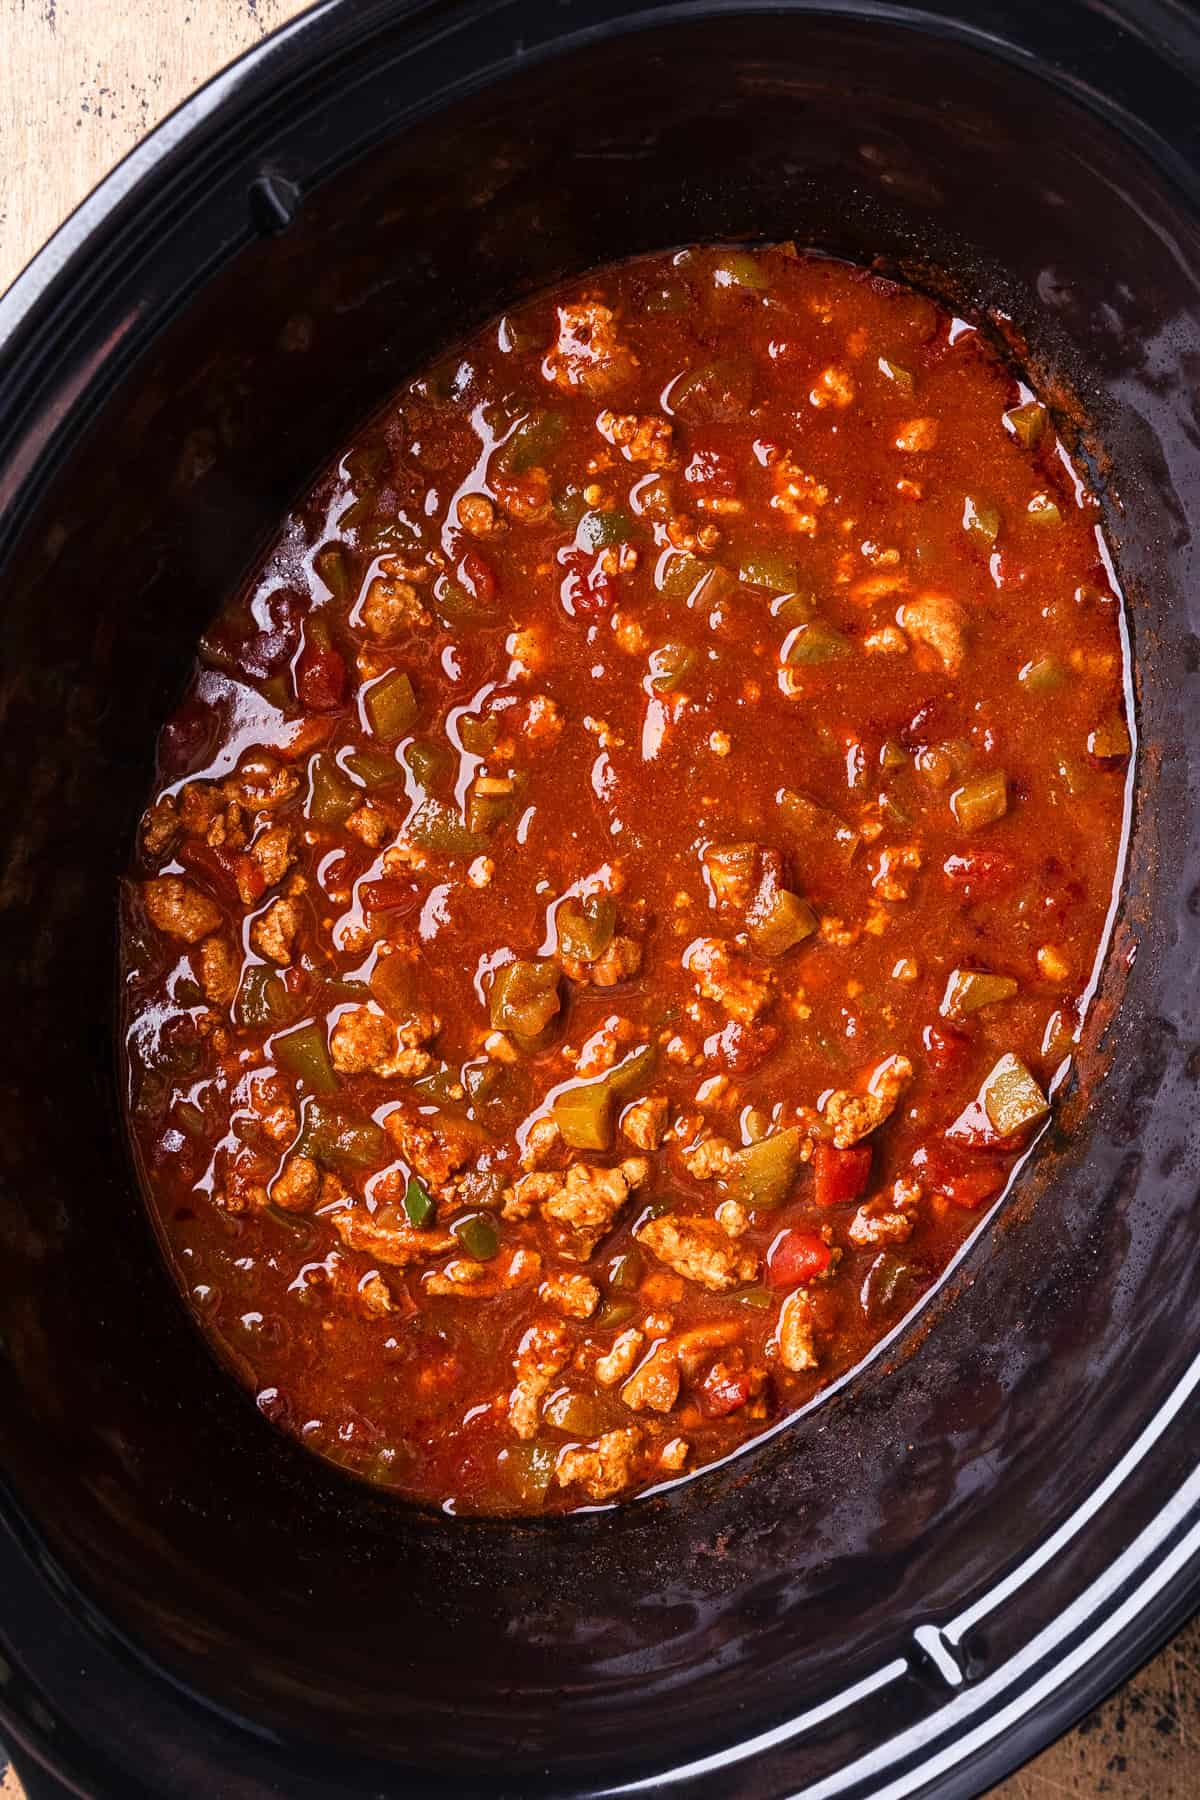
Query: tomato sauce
x,y
624,883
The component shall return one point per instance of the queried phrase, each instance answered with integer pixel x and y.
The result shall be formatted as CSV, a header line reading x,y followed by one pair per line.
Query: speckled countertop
x,y
80,82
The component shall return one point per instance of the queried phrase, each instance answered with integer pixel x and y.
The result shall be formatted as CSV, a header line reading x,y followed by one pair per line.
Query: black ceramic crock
x,y
911,1588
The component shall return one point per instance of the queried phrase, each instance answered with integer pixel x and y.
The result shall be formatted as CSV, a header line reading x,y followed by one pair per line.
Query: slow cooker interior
x,y
642,1636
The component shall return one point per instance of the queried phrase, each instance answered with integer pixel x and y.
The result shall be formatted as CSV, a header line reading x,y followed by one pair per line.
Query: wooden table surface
x,y
80,82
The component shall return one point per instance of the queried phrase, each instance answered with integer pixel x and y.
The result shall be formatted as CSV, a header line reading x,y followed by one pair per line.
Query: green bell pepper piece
x,y
524,998
782,921
670,667
897,373
584,1116
716,393
738,268
393,983
478,736
770,569
886,1282
816,642
602,530
625,1271
679,576
435,826
331,797
332,565
1042,510
418,1203
579,1415
569,507
341,1140
477,1235
374,768
532,444
529,1469
304,1054
809,819
585,926
391,706
762,1174
982,801
263,998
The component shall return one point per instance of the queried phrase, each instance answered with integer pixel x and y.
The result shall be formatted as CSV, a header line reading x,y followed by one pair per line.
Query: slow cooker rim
x,y
1139,1612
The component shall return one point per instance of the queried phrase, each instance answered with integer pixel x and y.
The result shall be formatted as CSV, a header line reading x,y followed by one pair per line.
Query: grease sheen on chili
x,y
625,878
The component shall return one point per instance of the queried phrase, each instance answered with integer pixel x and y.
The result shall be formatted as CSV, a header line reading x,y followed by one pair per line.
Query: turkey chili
x,y
625,879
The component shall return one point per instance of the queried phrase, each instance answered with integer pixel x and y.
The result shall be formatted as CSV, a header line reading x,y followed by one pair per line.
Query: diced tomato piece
x,y
740,1048
944,1047
300,737
585,588
927,725
972,1190
187,738
388,891
320,677
285,610
179,1044
796,1257
978,873
335,872
438,1370
526,497
841,1175
931,1161
959,1172
711,471
250,878
224,868
1011,572
266,652
725,1390
974,1130
478,577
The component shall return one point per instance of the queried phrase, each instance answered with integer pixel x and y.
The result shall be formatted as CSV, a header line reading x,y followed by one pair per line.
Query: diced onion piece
x,y
1027,423
1110,739
969,989
1012,1098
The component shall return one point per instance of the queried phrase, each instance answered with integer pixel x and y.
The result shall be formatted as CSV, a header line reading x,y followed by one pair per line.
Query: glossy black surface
x,y
191,1604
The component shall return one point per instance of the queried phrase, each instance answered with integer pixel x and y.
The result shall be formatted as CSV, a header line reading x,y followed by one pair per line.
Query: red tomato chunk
x,y
795,1257
840,1175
